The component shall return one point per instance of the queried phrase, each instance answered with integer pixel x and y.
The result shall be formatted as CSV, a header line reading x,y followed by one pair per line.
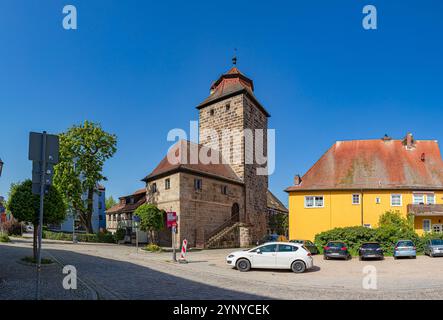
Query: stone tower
x,y
232,106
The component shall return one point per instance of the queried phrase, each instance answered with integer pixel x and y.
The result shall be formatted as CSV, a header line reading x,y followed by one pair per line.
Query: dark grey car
x,y
308,244
434,248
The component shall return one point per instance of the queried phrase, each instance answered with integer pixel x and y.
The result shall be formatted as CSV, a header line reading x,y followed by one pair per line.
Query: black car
x,y
370,250
308,244
336,250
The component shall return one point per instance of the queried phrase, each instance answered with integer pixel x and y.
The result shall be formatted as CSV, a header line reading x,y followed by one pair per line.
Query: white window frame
x,y
356,195
314,205
418,195
430,225
401,200
427,198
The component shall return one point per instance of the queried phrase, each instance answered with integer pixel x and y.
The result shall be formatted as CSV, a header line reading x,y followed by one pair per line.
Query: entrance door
x,y
437,227
235,212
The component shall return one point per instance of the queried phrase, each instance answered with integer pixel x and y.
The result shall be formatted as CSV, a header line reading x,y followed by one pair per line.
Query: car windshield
x,y
370,245
405,244
437,242
336,244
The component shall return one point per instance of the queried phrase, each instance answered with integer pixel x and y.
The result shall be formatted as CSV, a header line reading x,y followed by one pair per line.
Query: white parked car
x,y
273,255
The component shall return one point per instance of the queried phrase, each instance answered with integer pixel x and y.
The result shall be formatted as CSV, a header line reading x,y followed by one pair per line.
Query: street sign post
x,y
44,152
136,220
171,222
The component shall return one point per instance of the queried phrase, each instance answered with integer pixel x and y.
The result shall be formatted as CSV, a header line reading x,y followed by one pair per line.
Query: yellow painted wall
x,y
338,211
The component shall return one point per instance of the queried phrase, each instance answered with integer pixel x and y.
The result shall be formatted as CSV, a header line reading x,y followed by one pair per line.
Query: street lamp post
x,y
1,166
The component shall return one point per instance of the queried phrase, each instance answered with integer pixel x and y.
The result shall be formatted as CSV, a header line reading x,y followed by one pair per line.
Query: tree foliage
x,y
84,150
110,202
25,206
151,219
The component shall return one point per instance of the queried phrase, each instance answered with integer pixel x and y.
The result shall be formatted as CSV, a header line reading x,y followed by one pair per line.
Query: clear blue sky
x,y
140,68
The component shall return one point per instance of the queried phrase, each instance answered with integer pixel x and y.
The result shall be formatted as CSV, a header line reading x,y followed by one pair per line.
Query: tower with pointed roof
x,y
229,111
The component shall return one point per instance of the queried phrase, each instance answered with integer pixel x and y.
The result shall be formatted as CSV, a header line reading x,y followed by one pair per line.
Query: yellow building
x,y
355,182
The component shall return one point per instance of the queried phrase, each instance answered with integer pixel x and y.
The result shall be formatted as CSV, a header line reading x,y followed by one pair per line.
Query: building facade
x,y
355,182
98,215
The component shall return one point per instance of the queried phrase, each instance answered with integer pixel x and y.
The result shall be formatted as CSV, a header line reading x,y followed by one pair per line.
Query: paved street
x,y
118,272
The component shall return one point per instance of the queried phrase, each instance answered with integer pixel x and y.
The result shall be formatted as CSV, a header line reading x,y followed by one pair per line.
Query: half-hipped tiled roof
x,y
376,164
139,197
179,159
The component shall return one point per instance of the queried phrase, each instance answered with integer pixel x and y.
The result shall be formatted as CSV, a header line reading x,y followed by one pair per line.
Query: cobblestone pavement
x,y
119,272
18,278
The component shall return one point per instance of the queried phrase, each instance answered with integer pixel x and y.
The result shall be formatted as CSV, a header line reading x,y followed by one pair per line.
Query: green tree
x,y
110,202
393,219
83,152
151,220
25,206
278,223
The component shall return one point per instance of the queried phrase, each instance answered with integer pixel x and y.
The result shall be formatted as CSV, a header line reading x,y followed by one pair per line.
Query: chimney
x,y
297,180
408,141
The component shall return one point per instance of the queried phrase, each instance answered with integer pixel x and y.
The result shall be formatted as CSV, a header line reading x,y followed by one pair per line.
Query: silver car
x,y
434,248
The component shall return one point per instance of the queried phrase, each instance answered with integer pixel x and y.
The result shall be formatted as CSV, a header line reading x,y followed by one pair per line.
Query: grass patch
x,y
4,238
34,261
152,248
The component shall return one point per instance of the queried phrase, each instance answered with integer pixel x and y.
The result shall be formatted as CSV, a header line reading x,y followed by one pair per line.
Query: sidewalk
x,y
18,279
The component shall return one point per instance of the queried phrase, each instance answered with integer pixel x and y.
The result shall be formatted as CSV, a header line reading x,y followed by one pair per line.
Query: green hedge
x,y
387,236
104,237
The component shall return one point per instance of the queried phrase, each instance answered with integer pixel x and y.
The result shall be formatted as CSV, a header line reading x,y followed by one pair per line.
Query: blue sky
x,y
140,68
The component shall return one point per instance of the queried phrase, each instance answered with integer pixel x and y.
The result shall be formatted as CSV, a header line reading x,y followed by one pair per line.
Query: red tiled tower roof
x,y
376,164
230,84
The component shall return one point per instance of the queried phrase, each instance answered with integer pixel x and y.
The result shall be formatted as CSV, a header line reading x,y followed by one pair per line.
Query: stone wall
x,y
204,211
241,114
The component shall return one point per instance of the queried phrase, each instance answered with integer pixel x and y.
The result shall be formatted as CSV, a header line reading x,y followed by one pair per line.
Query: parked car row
x,y
297,254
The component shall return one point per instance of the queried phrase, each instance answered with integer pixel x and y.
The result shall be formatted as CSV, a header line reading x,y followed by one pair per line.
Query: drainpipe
x,y
361,209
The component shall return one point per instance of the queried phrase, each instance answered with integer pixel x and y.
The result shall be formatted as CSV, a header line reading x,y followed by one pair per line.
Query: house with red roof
x,y
355,182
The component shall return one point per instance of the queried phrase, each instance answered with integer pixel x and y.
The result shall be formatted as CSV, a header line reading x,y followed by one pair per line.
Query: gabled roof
x,y
179,159
231,84
274,203
129,207
376,164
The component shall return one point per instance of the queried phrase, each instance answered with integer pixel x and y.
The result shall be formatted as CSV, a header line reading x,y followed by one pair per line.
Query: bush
x,y
352,236
120,234
12,228
4,238
153,248
101,237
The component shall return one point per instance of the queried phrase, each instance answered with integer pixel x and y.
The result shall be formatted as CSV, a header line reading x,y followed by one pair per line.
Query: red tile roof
x,y
139,199
376,164
230,84
179,159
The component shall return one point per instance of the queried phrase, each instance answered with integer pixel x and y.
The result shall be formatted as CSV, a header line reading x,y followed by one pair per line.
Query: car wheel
x,y
243,265
431,255
298,267
325,258
360,258
395,258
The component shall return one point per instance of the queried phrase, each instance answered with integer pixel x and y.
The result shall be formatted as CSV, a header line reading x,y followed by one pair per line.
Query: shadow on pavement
x,y
109,278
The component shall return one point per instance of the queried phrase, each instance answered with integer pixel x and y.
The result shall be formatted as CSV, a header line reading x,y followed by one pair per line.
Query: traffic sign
x,y
35,147
171,219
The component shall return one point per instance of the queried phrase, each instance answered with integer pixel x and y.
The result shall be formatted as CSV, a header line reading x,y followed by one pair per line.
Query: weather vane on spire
x,y
234,58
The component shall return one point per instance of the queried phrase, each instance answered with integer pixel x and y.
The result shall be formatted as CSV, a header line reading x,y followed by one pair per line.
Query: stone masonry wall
x,y
204,211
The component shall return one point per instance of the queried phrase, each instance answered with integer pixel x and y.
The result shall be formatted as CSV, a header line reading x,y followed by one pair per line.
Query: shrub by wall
x,y
101,237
